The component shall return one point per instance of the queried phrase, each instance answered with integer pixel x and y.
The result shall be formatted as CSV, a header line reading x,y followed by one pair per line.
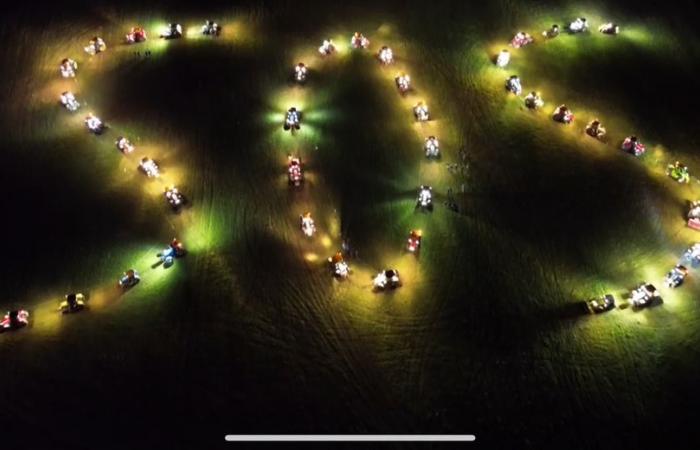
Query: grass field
x,y
249,333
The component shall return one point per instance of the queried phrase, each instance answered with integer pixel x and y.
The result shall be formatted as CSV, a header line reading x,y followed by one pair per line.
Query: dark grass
x,y
245,336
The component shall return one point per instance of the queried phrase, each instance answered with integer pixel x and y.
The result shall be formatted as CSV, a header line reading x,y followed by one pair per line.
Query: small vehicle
x,y
632,145
595,130
676,276
327,48
503,58
95,46
129,279
68,100
563,115
174,197
552,32
94,124
307,224
124,145
211,28
421,113
601,304
72,303
432,147
513,85
387,279
579,25
694,215
425,197
136,35
609,28
692,255
149,167
292,120
68,68
14,320
359,41
386,55
403,82
174,250
644,295
172,31
414,241
678,172
533,101
339,267
300,72
295,174
521,39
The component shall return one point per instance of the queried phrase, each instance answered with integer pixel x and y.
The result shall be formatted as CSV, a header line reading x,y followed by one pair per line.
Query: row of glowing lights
x,y
389,278
68,68
645,293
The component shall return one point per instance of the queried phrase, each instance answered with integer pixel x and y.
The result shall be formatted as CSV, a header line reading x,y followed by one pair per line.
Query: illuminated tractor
x,y
432,147
676,276
521,39
300,72
359,41
308,227
149,167
136,35
129,279
503,58
68,100
292,120
694,215
72,303
174,197
609,28
124,145
387,279
678,172
601,304
295,173
420,112
94,124
425,198
386,55
403,82
563,115
211,28
327,48
513,85
14,320
414,240
533,101
552,32
644,295
579,25
68,68
173,251
95,46
632,145
172,31
595,129
339,267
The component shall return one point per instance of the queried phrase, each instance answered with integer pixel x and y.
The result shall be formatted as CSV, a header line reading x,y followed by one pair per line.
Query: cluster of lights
x,y
563,114
15,319
387,279
211,28
300,71
327,47
595,129
295,173
678,172
421,113
94,124
129,279
339,267
403,82
513,85
503,58
72,303
632,145
521,39
124,145
579,25
174,197
308,227
533,100
425,197
172,31
432,147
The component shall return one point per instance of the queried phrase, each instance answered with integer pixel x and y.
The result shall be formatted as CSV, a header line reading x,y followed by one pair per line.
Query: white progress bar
x,y
350,437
